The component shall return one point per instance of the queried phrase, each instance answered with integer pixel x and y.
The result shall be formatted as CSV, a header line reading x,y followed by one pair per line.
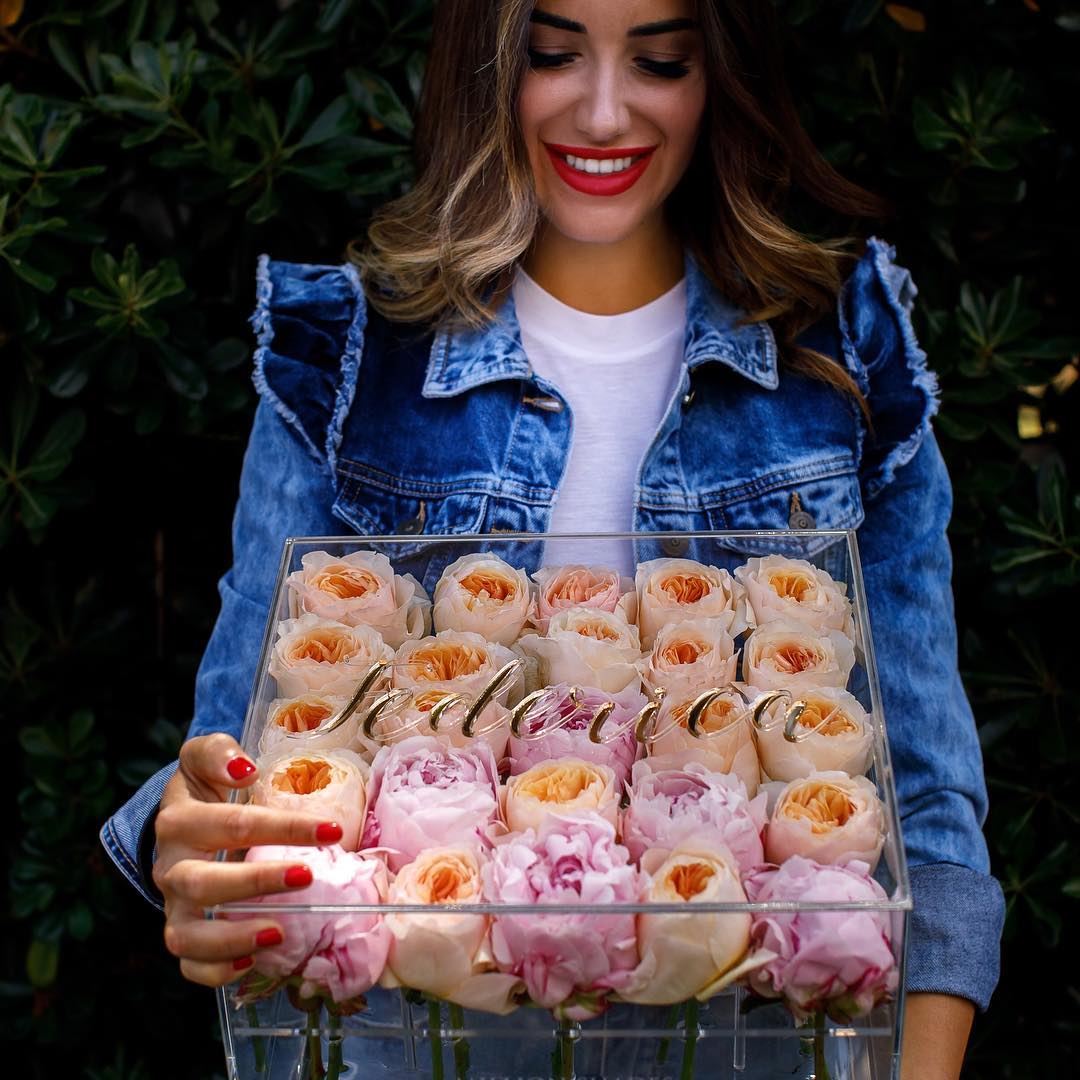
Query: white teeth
x,y
598,165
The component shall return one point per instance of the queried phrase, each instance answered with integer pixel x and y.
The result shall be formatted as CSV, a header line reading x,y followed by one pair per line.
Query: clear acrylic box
x,y
399,1034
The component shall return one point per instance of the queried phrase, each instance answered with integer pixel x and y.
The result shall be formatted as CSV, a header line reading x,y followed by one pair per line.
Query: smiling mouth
x,y
601,166
601,162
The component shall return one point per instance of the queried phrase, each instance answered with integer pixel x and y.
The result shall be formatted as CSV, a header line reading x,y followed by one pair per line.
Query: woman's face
x,y
610,80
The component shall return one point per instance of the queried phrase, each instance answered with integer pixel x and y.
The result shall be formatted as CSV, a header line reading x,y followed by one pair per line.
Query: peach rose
x,y
793,589
688,655
835,733
492,726
302,716
688,955
446,954
567,786
671,590
726,744
783,655
330,783
588,647
561,587
485,595
313,654
829,817
360,589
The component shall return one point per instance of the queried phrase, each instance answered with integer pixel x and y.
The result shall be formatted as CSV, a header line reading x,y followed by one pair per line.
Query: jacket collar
x,y
467,358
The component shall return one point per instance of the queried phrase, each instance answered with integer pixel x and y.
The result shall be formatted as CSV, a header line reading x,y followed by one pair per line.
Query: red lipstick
x,y
599,183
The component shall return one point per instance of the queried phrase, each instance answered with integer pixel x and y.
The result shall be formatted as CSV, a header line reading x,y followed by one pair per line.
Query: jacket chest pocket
x,y
817,495
379,505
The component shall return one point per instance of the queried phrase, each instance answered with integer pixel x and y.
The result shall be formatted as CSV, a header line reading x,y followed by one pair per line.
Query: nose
x,y
603,113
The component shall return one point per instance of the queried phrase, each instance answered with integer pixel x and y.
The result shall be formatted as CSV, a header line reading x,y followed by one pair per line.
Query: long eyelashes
x,y
665,69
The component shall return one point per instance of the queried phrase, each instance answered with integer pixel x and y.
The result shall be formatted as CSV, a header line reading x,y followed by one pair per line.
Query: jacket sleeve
x,y
956,924
309,329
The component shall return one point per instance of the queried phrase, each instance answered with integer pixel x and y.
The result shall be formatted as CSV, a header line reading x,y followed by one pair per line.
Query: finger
x,y
216,764
214,940
211,827
215,974
205,883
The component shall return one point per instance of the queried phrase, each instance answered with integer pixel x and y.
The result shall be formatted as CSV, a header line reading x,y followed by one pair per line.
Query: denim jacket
x,y
381,428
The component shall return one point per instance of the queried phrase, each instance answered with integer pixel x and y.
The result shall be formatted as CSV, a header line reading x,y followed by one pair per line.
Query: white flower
x,y
485,595
843,740
671,590
793,589
360,588
783,655
588,647
314,654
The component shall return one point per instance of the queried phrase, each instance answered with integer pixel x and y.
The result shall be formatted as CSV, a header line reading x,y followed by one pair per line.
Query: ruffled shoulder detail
x,y
309,323
883,355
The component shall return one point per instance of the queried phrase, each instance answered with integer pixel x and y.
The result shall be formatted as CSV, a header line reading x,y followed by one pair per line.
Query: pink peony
x,y
572,739
837,961
340,954
670,806
568,962
424,794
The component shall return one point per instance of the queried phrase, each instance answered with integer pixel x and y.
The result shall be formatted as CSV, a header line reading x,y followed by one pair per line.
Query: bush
x,y
148,152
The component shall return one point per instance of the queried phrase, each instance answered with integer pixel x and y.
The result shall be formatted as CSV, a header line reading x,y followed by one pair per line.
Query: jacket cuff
x,y
954,934
128,836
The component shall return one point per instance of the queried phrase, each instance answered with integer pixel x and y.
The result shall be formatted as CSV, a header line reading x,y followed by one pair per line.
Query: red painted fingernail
x,y
240,767
270,936
329,832
296,877
242,962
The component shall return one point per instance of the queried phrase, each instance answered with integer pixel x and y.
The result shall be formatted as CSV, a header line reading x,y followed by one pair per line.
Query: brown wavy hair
x,y
445,251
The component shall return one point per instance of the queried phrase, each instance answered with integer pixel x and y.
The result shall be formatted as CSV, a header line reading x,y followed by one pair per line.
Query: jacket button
x,y
688,397
801,520
675,545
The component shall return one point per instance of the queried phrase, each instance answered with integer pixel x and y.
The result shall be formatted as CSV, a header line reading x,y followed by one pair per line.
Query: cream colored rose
x,y
485,595
313,654
330,783
783,655
561,587
360,589
445,954
688,655
492,726
835,733
793,589
454,661
565,786
829,817
726,746
302,716
586,647
688,955
671,590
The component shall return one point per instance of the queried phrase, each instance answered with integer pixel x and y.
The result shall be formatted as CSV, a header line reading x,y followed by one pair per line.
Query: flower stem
x,y
690,1033
314,1046
256,1040
566,1051
434,1012
461,1044
665,1042
334,1059
821,1070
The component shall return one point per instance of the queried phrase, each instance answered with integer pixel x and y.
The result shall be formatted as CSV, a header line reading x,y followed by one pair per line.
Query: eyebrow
x,y
665,26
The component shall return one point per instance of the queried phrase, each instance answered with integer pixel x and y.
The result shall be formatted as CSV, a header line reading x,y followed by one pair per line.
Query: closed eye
x,y
667,69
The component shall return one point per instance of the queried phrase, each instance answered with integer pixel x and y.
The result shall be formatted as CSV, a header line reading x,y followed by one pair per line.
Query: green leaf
x,y
64,55
337,119
332,14
299,99
377,98
42,962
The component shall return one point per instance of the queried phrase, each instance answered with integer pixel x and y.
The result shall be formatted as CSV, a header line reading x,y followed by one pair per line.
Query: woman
x,y
591,273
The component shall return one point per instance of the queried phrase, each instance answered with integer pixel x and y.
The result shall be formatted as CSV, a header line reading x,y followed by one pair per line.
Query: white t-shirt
x,y
618,373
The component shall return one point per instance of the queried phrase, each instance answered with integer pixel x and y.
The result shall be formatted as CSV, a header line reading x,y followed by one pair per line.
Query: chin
x,y
595,227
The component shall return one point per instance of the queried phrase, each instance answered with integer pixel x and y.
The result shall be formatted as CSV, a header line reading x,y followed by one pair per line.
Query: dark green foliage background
x,y
149,152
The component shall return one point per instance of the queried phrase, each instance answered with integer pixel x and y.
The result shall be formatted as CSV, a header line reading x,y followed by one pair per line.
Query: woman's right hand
x,y
194,822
